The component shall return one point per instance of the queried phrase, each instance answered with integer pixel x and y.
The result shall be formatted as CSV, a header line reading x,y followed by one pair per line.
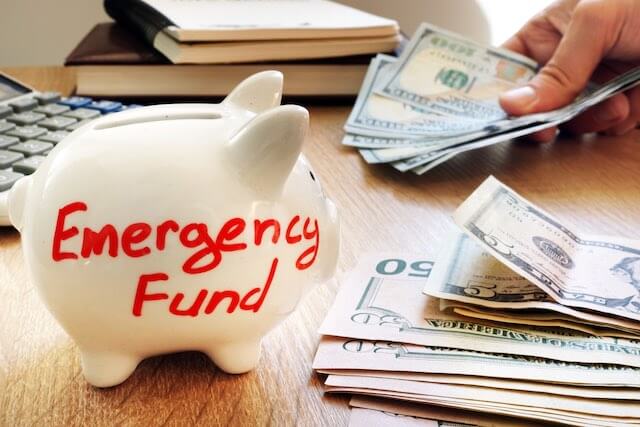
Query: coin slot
x,y
158,118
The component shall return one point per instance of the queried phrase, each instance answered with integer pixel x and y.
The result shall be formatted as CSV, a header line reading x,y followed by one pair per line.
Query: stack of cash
x,y
519,317
440,98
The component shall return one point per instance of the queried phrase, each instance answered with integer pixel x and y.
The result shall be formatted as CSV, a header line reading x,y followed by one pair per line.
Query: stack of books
x,y
198,48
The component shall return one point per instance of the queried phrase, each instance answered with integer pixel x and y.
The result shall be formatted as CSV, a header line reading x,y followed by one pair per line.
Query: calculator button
x,y
45,98
22,105
57,123
54,137
105,107
31,147
6,141
27,118
6,126
8,178
52,109
9,157
79,124
29,165
5,111
27,132
75,101
82,114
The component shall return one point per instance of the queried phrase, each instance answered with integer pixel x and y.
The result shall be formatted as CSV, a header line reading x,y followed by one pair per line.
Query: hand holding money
x,y
574,39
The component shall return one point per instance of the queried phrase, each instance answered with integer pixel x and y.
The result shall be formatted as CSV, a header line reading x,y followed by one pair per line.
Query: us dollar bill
x,y
376,115
422,156
467,273
361,417
424,168
455,415
441,96
422,362
380,142
383,300
373,156
601,274
534,319
448,74
572,410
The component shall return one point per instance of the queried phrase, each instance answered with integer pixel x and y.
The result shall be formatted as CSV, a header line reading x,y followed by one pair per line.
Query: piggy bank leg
x,y
106,369
236,357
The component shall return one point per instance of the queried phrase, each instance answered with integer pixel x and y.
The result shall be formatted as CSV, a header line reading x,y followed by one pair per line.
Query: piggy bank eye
x,y
313,177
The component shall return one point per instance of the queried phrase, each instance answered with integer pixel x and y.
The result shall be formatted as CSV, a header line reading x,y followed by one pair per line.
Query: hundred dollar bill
x,y
419,170
467,273
383,300
596,273
536,403
363,141
418,153
423,153
376,115
419,362
373,156
448,74
412,157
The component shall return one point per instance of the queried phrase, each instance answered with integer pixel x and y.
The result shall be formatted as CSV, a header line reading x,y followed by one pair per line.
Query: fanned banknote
x,y
600,274
567,410
376,115
383,300
422,362
446,73
440,99
474,283
385,339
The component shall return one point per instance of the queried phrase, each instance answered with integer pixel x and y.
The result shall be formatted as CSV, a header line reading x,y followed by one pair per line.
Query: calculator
x,y
32,123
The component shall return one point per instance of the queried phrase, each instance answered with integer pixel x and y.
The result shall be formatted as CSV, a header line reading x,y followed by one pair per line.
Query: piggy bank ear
x,y
265,150
257,93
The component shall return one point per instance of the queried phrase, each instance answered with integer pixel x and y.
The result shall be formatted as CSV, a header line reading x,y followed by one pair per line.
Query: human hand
x,y
578,41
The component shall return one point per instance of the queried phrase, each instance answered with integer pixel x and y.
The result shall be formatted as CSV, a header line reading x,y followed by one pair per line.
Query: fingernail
x,y
522,98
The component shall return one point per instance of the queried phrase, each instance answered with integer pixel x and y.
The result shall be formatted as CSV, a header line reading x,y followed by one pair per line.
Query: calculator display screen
x,y
10,88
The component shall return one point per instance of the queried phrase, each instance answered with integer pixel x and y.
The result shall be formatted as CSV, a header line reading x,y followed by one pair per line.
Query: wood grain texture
x,y
592,183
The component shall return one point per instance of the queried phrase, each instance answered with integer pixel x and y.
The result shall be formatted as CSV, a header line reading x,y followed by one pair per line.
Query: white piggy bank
x,y
178,227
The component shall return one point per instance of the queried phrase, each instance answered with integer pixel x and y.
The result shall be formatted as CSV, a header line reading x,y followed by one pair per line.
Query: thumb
x,y
569,69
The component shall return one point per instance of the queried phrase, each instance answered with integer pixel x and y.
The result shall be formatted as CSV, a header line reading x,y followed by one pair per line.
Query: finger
x,y
536,40
568,71
540,36
622,128
601,117
634,114
516,44
544,136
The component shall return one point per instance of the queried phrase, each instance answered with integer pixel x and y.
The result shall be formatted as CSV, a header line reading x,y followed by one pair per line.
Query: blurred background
x,y
43,32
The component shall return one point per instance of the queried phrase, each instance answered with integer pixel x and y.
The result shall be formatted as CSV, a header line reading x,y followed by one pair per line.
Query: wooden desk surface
x,y
593,183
